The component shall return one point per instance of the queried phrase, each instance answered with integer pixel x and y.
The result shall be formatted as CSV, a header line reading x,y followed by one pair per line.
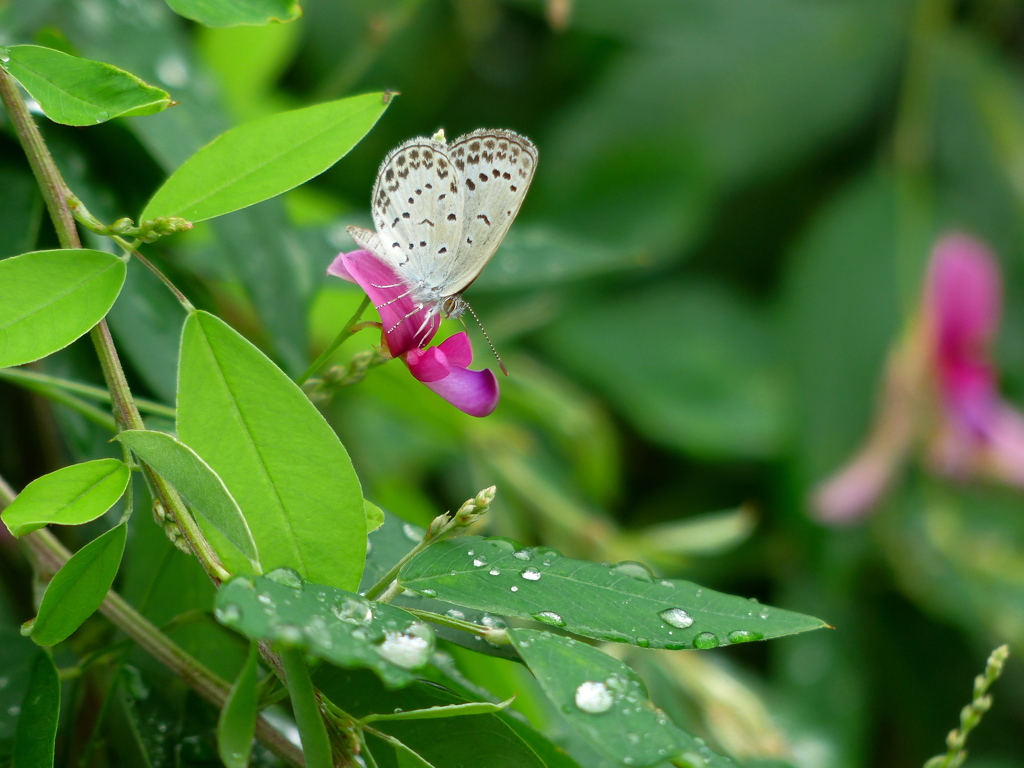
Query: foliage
x,y
723,249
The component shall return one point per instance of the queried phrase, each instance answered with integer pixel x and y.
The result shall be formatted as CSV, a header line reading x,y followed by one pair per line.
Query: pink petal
x,y
406,326
472,392
428,365
457,349
1005,449
854,491
338,268
965,294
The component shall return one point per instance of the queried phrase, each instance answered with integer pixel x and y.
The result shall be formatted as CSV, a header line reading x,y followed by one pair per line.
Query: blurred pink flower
x,y
940,389
409,327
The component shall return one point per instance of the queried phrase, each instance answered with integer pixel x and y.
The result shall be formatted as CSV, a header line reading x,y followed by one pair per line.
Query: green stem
x,y
88,410
386,580
340,339
496,636
316,745
182,299
56,194
44,384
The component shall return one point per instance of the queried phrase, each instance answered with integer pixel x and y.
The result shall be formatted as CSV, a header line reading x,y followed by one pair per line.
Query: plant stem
x,y
315,744
491,635
182,299
88,410
56,193
51,555
386,580
340,339
44,384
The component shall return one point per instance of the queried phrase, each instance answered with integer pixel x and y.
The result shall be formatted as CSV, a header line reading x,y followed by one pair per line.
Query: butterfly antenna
x,y
488,338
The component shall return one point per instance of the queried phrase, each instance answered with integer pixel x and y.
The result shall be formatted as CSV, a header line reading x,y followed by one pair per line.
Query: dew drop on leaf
x,y
531,574
549,617
633,570
677,617
705,640
594,698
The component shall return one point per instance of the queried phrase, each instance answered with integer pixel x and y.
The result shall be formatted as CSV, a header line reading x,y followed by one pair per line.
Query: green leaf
x,y
621,603
50,298
607,703
198,484
78,588
338,626
36,735
474,740
70,496
264,158
437,713
281,461
76,91
715,393
17,655
374,516
232,13
237,724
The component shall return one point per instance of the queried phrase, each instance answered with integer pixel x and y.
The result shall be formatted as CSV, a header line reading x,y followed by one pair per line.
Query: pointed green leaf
x,y
281,461
233,13
237,724
607,703
338,626
437,713
262,159
50,298
198,484
374,516
36,735
78,588
76,91
70,496
622,603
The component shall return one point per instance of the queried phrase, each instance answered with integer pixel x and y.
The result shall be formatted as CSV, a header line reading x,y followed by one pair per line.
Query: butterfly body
x,y
441,211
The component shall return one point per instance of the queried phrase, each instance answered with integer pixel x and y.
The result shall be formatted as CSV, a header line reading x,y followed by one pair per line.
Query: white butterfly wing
x,y
494,169
417,209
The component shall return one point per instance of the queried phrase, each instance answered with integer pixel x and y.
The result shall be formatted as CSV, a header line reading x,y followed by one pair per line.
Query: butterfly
x,y
441,210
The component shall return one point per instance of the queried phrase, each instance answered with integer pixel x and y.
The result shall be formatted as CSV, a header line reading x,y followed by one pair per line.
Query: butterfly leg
x,y
392,301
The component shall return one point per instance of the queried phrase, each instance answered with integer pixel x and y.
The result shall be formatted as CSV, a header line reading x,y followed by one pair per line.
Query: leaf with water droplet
x,y
75,91
621,603
340,627
605,701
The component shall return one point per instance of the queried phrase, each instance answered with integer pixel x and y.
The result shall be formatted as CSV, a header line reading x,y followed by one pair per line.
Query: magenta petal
x,y
1005,438
472,392
457,349
965,293
338,269
428,365
406,326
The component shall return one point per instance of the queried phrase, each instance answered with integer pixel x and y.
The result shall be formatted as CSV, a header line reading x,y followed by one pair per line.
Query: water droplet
x,y
426,592
503,546
677,617
14,710
102,116
667,583
412,533
228,614
264,599
288,634
286,577
705,640
643,642
699,592
531,574
763,613
479,562
493,622
523,554
594,698
353,610
744,636
317,631
494,572
633,570
455,613
409,649
549,617
513,588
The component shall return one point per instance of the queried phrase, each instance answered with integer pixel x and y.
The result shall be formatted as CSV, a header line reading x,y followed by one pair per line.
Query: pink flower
x,y
940,389
409,327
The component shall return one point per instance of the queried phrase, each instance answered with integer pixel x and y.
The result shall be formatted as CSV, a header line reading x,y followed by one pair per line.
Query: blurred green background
x,y
727,232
